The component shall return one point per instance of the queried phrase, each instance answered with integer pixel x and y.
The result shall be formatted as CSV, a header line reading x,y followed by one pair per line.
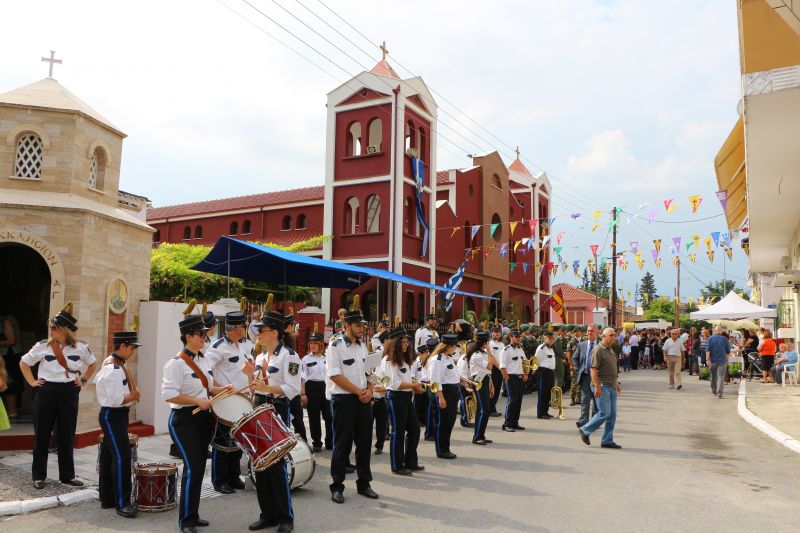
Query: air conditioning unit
x,y
411,152
372,149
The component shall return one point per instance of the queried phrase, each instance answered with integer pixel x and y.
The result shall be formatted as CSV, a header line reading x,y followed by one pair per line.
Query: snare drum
x,y
263,436
155,487
300,464
230,409
133,439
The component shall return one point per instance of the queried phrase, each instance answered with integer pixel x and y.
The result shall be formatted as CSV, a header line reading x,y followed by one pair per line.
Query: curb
x,y
48,502
764,427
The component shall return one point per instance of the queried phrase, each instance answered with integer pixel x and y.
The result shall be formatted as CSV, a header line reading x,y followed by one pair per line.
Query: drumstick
x,y
221,395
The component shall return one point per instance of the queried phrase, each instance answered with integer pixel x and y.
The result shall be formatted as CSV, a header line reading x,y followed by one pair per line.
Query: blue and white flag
x,y
453,283
418,171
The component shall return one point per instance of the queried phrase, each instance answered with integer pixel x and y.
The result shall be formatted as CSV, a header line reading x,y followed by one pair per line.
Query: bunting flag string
x,y
722,196
532,226
657,244
710,255
559,237
493,228
729,253
513,226
455,229
693,258
596,214
667,204
695,200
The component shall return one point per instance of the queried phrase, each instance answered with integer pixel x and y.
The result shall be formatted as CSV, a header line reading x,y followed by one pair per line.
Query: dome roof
x,y
49,94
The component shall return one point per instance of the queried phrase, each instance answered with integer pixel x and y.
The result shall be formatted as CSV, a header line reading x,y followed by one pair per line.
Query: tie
x,y
589,356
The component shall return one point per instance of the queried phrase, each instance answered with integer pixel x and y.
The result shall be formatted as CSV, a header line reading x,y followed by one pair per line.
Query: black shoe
x,y
488,441
479,442
368,492
572,402
173,451
578,423
548,415
433,439
584,437
236,484
127,511
417,468
337,496
494,414
317,448
261,524
38,484
201,523
107,506
518,428
508,428
189,529
378,451
285,528
448,455
680,387
612,445
329,447
224,489
75,482
402,472
467,425
349,469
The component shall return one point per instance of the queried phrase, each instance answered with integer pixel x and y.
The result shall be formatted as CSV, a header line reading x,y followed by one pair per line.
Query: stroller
x,y
752,363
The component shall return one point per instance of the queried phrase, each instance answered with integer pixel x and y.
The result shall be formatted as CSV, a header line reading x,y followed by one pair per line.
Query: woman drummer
x,y
59,383
276,379
186,384
404,436
443,372
480,368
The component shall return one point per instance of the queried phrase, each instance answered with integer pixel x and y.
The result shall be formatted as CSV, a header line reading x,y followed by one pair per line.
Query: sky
x,y
622,103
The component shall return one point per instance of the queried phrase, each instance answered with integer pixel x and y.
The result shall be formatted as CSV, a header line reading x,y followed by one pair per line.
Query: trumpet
x,y
474,385
433,387
377,381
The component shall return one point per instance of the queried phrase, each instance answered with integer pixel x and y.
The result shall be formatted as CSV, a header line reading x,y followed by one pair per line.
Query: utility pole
x,y
613,321
677,320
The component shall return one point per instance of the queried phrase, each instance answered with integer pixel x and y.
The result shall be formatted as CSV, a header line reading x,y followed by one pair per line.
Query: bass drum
x,y
300,465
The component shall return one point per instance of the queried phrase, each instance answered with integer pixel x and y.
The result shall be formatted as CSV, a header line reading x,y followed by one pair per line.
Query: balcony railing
x,y
786,314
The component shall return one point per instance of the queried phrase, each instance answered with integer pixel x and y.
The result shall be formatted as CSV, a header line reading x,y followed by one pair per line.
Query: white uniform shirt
x,y
496,349
546,356
379,371
77,358
423,334
376,342
418,370
477,365
313,367
346,358
396,375
179,379
511,359
111,385
463,368
224,361
442,370
281,368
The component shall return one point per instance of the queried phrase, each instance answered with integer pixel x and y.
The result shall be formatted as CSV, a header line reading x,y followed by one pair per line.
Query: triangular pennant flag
x,y
657,244
544,240
689,245
729,253
530,243
511,267
576,264
655,254
651,216
710,255
624,266
594,248
639,262
551,221
667,203
564,266
608,267
611,225
676,241
559,237
516,245
455,230
487,251
493,228
590,264
746,248
557,250
525,267
695,200
708,242
634,246
575,216
658,263
693,258
513,226
672,208
676,260
503,250
475,229
715,236
532,226
595,226
722,196
696,239
552,267
596,214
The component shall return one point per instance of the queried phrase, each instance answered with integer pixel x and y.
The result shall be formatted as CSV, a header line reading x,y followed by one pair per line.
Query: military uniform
x,y
559,347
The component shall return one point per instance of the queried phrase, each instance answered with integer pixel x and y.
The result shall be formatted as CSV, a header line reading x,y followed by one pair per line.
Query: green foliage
x,y
735,370
705,373
717,290
486,316
648,287
660,308
171,277
596,282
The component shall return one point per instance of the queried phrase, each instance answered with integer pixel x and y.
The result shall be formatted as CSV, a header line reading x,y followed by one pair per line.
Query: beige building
x,y
67,233
759,163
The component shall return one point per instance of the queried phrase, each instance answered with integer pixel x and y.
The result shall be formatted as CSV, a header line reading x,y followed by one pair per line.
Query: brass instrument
x,y
433,387
69,308
468,383
189,307
257,349
556,402
529,366
377,381
471,407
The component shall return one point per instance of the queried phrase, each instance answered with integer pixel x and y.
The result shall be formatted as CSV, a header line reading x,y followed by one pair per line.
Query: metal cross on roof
x,y
52,60
384,50
517,152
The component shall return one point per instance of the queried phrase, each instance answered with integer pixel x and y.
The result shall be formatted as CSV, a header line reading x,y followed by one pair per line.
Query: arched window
x,y
422,144
354,139
351,216
247,227
97,169
301,222
157,236
496,181
187,233
28,163
498,233
373,213
409,135
527,314
469,303
347,300
198,232
409,216
286,225
375,135
234,228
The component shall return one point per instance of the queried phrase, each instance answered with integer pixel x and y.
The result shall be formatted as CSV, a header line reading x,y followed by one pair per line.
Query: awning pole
x,y
229,269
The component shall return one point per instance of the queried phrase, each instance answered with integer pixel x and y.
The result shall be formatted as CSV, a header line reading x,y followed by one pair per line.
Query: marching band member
x,y
210,322
186,385
420,399
511,367
480,368
405,427
431,418
115,391
277,378
313,372
495,350
59,381
426,332
463,372
224,361
442,370
383,326
352,413
295,402
380,412
545,374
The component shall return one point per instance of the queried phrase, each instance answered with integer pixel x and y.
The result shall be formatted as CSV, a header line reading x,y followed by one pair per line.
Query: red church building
x,y
380,130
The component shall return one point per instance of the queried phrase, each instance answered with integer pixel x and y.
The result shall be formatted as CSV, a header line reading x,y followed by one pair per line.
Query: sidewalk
x,y
772,409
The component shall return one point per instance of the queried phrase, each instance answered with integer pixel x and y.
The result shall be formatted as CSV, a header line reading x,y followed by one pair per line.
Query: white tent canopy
x,y
733,307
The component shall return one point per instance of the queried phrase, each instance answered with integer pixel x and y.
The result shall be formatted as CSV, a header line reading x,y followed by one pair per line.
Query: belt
x,y
122,408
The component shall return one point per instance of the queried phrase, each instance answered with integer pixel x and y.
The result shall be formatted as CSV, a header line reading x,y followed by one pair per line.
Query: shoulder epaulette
x,y
334,343
218,342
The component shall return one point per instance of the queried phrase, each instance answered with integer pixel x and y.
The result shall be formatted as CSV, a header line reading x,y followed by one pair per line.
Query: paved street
x,y
689,463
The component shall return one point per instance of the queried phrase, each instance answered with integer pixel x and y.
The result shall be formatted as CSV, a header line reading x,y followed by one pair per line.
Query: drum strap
x,y
197,372
114,359
59,353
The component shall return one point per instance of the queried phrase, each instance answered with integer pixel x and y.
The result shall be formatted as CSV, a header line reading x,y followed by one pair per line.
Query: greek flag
x,y
453,283
418,170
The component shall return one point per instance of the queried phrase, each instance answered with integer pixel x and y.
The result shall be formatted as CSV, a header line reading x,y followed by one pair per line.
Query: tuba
x,y
471,407
556,402
529,366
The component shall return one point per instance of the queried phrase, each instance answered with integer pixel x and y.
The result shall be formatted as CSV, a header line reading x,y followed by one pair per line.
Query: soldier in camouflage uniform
x,y
572,344
529,346
559,347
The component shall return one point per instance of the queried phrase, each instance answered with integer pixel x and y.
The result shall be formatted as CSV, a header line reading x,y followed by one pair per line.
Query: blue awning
x,y
247,260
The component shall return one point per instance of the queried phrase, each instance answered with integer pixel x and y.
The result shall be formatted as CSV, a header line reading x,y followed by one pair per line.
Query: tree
x,y
660,308
596,282
713,292
648,287
586,283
